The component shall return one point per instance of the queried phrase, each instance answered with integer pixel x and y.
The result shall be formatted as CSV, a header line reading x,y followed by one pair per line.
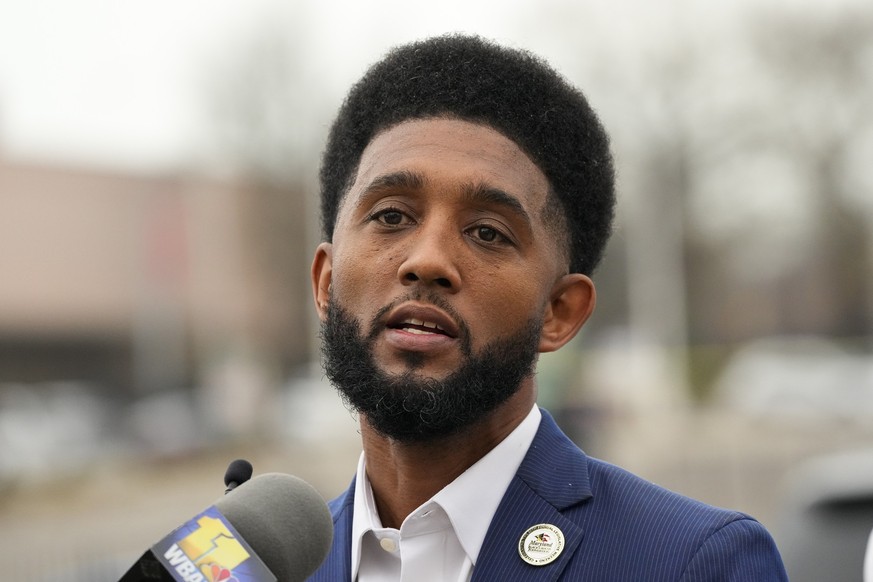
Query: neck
x,y
403,476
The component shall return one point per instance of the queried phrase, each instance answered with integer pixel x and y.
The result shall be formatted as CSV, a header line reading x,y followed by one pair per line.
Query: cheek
x,y
356,273
507,301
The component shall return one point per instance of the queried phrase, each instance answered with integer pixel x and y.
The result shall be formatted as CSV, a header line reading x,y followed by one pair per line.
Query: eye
x,y
391,217
487,233
484,233
388,217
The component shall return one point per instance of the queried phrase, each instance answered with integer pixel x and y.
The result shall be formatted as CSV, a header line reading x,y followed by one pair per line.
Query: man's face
x,y
440,251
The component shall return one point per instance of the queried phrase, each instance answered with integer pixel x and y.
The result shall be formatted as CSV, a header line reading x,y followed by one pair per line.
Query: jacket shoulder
x,y
662,534
628,494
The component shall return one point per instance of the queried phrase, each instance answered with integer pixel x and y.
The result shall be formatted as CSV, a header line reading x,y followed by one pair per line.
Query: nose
x,y
431,260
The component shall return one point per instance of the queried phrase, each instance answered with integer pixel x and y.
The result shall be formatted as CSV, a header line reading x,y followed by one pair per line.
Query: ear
x,y
322,273
571,303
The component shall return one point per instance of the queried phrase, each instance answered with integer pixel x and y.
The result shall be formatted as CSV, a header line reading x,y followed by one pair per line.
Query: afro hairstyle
x,y
509,90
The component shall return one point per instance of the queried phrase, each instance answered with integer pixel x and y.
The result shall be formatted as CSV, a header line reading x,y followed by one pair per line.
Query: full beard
x,y
412,408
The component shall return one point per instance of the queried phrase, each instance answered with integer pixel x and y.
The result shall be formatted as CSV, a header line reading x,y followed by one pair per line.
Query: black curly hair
x,y
509,90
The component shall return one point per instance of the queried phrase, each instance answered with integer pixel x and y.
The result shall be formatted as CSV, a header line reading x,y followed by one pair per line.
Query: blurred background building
x,y
158,216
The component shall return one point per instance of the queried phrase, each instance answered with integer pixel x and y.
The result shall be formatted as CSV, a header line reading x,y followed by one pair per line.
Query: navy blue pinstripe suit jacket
x,y
617,527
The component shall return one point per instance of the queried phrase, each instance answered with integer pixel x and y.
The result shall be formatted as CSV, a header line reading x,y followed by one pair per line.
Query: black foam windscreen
x,y
284,520
238,472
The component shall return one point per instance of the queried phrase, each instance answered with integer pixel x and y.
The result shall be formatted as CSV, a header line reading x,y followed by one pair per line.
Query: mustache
x,y
423,296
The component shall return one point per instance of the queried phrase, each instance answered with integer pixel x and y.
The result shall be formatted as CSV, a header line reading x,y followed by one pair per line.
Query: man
x,y
467,195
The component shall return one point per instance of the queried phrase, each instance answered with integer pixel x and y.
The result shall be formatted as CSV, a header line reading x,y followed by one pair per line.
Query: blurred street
x,y
97,523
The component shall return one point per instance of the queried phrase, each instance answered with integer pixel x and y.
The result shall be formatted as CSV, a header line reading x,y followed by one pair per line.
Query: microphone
x,y
238,472
273,528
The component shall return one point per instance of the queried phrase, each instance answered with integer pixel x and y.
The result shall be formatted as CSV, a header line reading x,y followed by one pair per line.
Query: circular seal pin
x,y
541,544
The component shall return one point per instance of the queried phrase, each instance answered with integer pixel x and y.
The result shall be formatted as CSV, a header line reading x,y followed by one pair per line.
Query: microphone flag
x,y
205,549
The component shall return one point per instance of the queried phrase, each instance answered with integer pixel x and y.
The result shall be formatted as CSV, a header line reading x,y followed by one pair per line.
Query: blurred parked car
x,y
827,518
49,429
805,378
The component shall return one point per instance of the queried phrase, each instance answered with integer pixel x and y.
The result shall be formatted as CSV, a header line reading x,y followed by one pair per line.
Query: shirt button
x,y
388,544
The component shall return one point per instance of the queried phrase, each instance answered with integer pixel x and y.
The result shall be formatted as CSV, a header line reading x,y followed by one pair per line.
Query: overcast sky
x,y
124,83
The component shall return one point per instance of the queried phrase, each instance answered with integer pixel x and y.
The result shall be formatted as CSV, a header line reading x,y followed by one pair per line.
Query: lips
x,y
418,326
422,320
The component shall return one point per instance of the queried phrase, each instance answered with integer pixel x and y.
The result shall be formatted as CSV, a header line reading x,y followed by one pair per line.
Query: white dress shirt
x,y
440,540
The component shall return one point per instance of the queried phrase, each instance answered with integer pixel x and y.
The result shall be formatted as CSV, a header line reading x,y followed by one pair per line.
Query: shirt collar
x,y
470,501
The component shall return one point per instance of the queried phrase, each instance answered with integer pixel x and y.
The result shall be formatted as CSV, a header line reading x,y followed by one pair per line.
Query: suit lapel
x,y
499,558
552,477
337,566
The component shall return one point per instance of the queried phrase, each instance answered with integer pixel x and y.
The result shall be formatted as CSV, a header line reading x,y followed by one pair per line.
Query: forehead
x,y
452,151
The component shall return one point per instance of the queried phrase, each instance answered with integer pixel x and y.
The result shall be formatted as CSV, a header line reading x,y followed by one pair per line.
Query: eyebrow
x,y
485,194
474,192
404,180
